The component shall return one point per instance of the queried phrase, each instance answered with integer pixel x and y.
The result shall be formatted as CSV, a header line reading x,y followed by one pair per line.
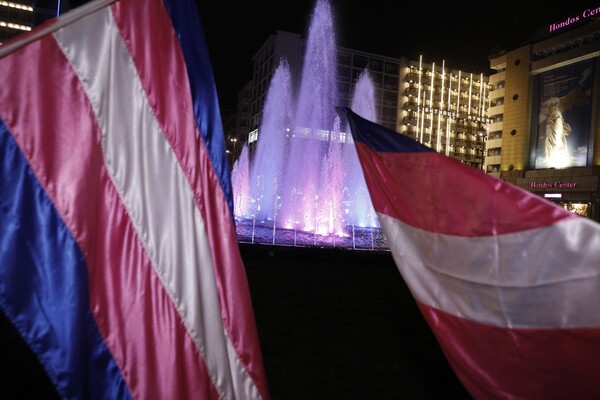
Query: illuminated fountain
x,y
304,185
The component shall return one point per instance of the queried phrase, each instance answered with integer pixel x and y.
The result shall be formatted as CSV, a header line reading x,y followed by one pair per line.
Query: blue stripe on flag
x,y
44,285
379,138
202,85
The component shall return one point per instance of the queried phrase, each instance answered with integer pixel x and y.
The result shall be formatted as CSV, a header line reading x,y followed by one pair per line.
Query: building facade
x,y
441,107
15,18
237,136
545,131
445,109
19,16
281,45
384,72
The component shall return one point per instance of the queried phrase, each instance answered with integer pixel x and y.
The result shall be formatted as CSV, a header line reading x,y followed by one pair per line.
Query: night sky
x,y
461,33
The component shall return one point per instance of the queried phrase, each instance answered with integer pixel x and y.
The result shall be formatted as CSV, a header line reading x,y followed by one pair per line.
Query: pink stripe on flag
x,y
463,201
507,281
533,364
164,77
61,140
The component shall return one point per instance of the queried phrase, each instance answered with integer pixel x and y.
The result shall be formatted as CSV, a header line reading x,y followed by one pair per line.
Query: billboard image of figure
x,y
564,115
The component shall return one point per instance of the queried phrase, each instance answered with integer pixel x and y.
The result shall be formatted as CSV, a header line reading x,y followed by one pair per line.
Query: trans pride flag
x,y
508,282
119,262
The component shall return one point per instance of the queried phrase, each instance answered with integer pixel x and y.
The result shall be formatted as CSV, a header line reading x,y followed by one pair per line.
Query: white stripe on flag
x,y
154,190
482,278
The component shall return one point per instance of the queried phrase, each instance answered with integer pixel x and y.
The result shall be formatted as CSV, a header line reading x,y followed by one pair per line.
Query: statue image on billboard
x,y
564,116
556,149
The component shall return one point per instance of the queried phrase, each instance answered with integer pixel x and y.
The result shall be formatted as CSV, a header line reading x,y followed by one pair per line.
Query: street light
x,y
232,153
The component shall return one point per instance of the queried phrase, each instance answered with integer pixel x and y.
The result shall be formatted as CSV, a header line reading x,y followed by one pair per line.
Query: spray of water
x,y
304,173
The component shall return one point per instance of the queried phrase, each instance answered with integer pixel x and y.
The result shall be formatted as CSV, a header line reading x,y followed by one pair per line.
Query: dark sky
x,y
461,33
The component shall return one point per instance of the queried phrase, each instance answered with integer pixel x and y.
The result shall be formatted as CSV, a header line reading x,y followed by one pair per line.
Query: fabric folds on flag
x,y
508,282
119,262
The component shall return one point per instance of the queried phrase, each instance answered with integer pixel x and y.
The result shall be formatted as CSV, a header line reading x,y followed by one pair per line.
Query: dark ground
x,y
333,324
341,324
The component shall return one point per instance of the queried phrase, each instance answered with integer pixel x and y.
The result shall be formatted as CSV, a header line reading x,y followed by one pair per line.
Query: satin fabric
x,y
508,282
43,286
132,162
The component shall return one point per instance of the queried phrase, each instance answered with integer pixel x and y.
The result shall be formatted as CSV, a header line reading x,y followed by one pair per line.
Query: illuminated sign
x,y
553,195
253,136
552,185
455,115
587,13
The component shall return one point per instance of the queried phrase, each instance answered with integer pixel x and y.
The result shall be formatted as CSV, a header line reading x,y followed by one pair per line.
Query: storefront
x,y
576,188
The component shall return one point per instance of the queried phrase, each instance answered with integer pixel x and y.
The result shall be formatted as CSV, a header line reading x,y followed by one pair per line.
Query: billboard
x,y
564,111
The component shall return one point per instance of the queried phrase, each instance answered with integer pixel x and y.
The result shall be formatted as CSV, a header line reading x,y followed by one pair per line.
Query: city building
x,y
384,71
441,107
286,45
237,135
545,129
19,16
385,75
445,109
15,18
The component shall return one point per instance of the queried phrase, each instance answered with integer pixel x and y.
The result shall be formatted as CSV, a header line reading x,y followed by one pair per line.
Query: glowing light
x,y
470,92
15,26
17,6
481,87
431,99
439,133
559,159
419,98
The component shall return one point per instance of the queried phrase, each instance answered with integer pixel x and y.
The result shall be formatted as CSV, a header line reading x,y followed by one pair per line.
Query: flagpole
x,y
60,22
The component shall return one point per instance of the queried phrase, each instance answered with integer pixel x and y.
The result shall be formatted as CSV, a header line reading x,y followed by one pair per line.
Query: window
x,y
390,98
360,62
344,58
376,65
390,82
344,73
392,68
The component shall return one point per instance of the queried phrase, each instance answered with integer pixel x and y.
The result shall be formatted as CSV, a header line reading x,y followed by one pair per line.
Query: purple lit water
x,y
303,185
